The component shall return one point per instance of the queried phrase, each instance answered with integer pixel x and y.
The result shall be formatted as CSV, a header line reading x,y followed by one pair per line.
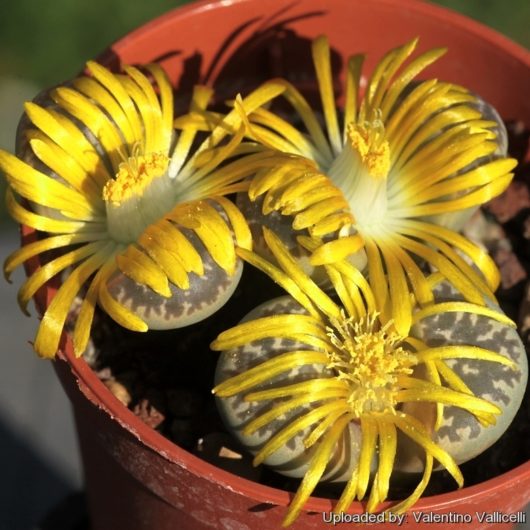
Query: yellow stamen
x,y
370,143
370,359
134,175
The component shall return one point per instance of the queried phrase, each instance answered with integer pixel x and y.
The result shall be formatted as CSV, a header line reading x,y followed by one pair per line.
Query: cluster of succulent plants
x,y
388,352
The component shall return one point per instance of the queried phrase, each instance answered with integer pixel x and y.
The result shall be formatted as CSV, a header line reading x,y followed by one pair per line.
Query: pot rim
x,y
99,395
442,14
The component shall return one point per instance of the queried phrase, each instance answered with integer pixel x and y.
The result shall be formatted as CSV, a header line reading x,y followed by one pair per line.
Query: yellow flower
x,y
408,162
367,373
132,214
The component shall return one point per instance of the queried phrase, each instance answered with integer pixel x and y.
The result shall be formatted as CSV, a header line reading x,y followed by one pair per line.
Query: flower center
x,y
370,359
134,175
137,196
372,147
361,171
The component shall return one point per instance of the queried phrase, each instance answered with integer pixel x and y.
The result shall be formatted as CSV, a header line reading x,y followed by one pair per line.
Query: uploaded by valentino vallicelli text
x,y
425,517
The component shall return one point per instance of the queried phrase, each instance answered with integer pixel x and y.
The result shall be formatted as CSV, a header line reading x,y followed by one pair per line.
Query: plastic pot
x,y
137,479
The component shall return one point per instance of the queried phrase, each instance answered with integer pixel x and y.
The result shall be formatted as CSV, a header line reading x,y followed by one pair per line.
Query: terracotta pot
x,y
137,479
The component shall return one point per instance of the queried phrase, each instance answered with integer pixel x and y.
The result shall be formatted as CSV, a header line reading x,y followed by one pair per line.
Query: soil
x,y
165,377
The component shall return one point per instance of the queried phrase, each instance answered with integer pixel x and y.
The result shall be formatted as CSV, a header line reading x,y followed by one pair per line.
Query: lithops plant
x,y
239,413
411,160
320,389
136,217
461,434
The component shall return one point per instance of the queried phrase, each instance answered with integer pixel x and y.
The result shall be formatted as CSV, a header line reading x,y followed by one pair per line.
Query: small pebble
x,y
507,205
119,391
524,315
220,449
512,272
148,413
104,374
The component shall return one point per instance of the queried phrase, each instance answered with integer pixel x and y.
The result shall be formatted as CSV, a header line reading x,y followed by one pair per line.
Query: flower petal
x,y
281,279
95,91
176,243
407,75
465,307
291,139
322,63
415,430
66,167
318,385
120,314
302,421
43,223
212,230
53,320
113,85
317,467
50,269
337,250
166,104
156,138
368,446
199,100
31,250
306,329
66,135
83,324
41,189
419,390
242,234
138,266
95,119
153,242
265,371
465,352
420,488
387,454
353,80
289,265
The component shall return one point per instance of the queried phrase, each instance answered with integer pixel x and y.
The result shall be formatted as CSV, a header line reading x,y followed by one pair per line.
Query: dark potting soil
x,y
165,377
